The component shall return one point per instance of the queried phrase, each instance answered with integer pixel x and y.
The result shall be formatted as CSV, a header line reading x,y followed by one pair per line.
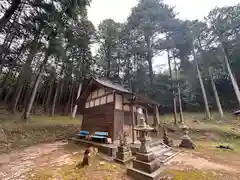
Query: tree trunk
x,y
9,12
45,94
16,99
109,59
3,83
76,103
23,73
38,80
38,96
179,93
201,83
149,60
55,98
233,80
173,92
10,91
49,95
29,106
59,86
72,98
66,111
61,94
25,95
216,94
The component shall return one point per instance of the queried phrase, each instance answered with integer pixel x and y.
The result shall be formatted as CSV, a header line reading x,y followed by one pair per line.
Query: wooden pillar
x,y
133,123
157,119
114,128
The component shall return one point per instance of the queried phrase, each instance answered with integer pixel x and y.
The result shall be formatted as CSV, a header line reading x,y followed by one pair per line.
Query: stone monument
x,y
124,153
166,139
146,166
186,140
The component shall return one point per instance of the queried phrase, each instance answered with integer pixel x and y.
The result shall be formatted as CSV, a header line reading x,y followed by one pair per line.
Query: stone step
x,y
156,143
140,175
158,147
169,155
160,152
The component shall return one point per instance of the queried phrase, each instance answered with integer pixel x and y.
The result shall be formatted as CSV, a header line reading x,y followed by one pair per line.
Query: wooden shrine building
x,y
109,107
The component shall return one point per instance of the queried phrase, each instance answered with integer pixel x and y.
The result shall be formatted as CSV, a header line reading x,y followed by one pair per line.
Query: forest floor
x,y
39,129
57,160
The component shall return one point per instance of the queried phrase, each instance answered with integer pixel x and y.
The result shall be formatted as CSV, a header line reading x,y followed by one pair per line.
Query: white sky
x,y
119,10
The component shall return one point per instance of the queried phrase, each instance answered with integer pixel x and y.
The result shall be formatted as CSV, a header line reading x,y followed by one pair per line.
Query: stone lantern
x,y
146,166
186,140
143,131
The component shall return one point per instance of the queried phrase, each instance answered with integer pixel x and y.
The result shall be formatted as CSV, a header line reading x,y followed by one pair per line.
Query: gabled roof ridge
x,y
108,83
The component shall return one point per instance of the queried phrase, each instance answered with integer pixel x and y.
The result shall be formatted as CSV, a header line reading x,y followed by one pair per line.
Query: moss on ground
x,y
41,174
96,171
226,130
190,175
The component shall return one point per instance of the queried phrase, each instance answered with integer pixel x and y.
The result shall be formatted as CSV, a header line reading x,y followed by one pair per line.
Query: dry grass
x,y
197,123
98,169
190,175
37,130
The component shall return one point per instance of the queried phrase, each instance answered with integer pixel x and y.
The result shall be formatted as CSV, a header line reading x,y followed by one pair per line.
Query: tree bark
x,y
149,60
55,98
16,99
23,72
201,83
49,95
216,94
38,80
173,92
36,102
76,103
3,83
109,59
179,93
10,91
9,12
66,109
72,98
233,80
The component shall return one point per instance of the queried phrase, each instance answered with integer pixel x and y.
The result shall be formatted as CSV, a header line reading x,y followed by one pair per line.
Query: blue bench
x,y
100,136
83,134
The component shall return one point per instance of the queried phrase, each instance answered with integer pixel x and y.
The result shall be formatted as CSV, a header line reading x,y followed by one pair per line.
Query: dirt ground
x,y
58,160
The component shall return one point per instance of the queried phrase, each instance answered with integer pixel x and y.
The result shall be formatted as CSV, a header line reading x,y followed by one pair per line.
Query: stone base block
x,y
124,155
145,157
149,167
125,161
140,175
123,148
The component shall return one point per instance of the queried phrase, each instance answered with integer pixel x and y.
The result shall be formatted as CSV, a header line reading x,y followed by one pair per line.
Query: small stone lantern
x,y
186,140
